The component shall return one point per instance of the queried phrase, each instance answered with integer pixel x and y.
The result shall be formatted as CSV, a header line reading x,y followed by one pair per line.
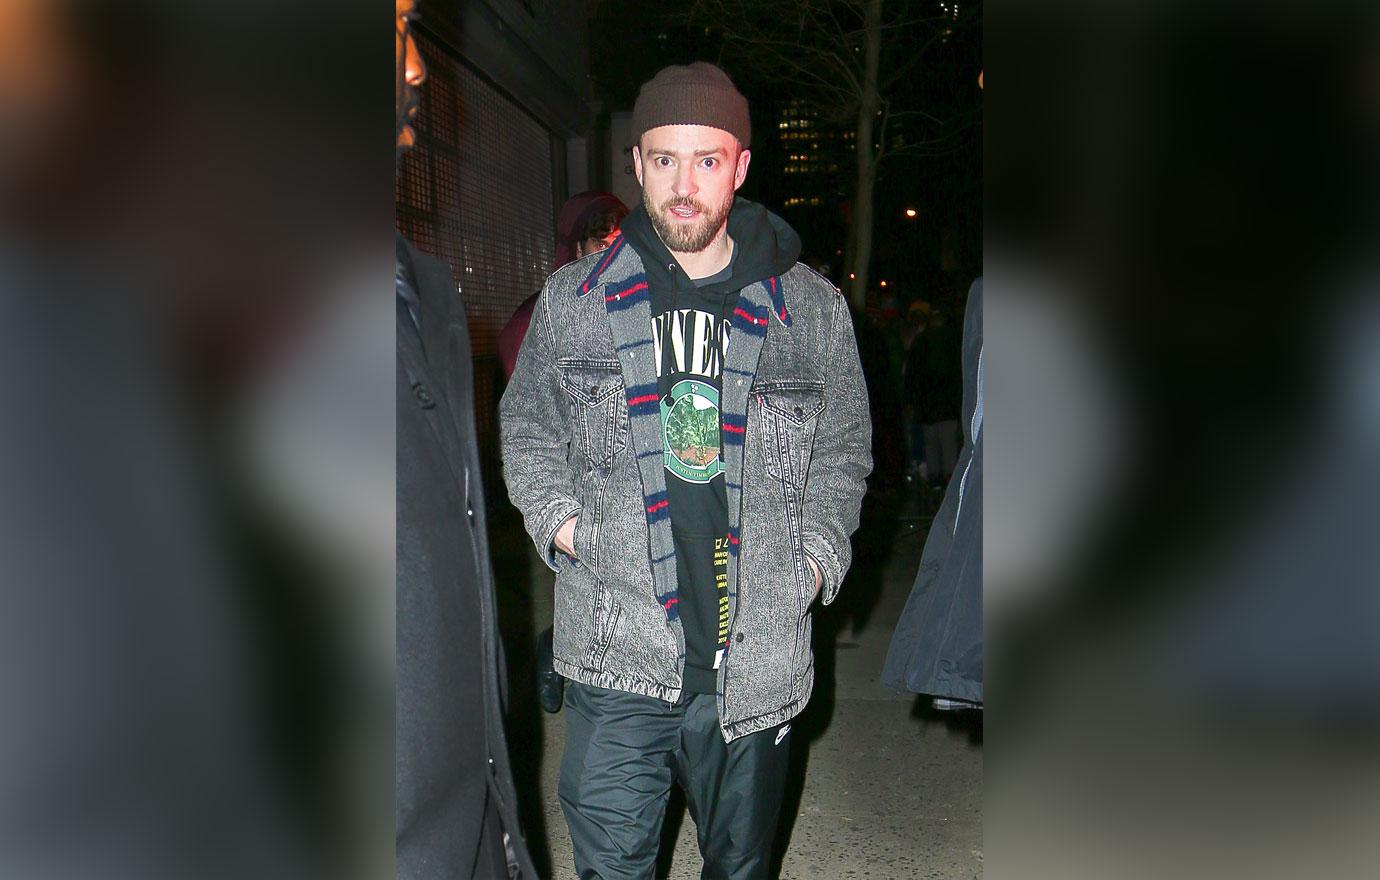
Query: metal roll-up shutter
x,y
476,191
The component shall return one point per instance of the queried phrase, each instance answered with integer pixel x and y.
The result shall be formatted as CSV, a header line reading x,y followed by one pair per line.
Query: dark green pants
x,y
622,754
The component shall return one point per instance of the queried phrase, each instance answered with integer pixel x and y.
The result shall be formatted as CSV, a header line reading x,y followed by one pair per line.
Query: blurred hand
x,y
819,578
565,537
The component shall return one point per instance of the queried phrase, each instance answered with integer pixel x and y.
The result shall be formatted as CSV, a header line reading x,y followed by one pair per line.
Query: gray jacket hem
x,y
758,723
614,681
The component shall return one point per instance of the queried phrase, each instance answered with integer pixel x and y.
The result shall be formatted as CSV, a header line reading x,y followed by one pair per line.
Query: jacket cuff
x,y
819,550
548,522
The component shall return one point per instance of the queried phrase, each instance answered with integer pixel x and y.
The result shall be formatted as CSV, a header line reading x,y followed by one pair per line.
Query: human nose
x,y
685,185
416,67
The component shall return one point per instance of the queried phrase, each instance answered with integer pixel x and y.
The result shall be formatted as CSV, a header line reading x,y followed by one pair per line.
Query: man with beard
x,y
455,807
686,435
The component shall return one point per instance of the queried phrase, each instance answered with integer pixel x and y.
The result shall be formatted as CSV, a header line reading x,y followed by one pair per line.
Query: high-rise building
x,y
814,156
811,152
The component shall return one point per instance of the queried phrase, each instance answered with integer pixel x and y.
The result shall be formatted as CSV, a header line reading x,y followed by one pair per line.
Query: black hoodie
x,y
690,331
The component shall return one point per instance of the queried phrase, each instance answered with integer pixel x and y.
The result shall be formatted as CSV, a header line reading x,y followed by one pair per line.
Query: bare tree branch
x,y
813,27
784,42
844,88
846,34
951,141
900,72
912,22
784,53
902,114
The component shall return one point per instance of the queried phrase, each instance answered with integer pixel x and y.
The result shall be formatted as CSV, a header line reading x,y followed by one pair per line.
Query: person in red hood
x,y
588,224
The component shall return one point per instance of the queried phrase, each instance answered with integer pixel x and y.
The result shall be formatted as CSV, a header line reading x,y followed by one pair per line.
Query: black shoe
x,y
550,683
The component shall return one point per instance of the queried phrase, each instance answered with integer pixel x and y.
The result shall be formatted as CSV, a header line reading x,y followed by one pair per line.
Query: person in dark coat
x,y
455,810
937,646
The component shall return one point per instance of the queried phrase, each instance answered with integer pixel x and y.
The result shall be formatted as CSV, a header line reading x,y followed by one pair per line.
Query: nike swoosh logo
x,y
781,734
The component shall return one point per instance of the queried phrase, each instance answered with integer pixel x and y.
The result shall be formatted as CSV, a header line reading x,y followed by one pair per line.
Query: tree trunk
x,y
861,248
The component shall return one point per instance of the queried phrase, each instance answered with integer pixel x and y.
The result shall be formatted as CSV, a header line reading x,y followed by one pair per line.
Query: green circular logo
x,y
690,434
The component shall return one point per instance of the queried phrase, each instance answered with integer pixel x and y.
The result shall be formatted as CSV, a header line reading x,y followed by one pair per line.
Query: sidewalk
x,y
890,788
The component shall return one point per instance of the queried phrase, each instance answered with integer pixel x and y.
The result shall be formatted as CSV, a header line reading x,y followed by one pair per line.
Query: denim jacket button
x,y
799,412
739,638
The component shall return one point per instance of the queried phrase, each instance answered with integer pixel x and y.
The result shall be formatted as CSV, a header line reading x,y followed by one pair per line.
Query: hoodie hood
x,y
764,245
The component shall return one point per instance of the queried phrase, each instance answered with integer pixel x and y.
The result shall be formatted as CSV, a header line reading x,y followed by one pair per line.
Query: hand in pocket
x,y
819,577
565,537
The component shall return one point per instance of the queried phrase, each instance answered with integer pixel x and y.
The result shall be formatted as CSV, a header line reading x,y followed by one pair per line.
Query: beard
x,y
687,238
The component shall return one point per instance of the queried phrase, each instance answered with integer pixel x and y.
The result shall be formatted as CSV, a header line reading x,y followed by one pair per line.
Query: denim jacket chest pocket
x,y
598,408
789,414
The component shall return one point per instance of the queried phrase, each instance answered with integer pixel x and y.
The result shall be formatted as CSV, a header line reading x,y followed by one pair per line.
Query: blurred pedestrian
x,y
877,350
888,421
934,391
686,434
588,223
917,318
455,804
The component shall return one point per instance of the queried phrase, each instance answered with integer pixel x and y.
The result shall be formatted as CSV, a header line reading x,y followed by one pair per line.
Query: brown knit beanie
x,y
692,94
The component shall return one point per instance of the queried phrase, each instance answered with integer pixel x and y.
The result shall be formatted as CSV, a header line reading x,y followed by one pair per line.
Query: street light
x,y
910,212
884,284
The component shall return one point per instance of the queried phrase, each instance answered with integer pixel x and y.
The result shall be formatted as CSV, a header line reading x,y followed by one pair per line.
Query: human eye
x,y
710,162
663,161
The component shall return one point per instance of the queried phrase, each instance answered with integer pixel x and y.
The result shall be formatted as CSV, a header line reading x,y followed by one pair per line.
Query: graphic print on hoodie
x,y
690,337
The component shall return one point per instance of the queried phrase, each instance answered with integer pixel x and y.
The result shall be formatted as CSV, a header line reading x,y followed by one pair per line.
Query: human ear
x,y
740,171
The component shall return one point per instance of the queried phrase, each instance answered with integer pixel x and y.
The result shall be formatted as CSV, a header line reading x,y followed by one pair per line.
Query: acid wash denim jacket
x,y
581,434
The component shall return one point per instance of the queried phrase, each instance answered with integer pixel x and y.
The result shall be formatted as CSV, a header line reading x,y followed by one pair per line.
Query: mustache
x,y
684,203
